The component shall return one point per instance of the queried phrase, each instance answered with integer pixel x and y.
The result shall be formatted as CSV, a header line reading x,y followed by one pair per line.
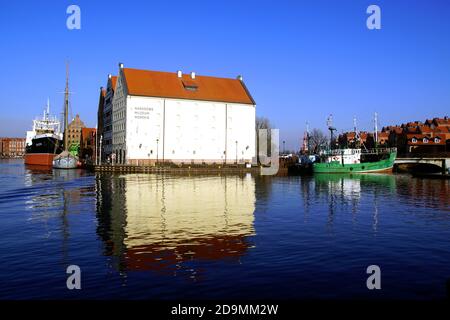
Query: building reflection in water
x,y
430,193
162,223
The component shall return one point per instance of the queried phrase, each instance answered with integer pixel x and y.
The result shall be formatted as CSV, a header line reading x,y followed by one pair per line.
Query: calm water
x,y
168,237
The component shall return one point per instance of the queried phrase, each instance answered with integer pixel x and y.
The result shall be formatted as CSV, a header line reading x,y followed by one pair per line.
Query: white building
x,y
174,117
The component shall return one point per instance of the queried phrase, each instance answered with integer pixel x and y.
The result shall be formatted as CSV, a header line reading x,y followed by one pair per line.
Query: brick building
x,y
12,147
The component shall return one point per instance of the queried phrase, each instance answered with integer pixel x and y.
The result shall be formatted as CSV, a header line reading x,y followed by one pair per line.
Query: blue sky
x,y
301,60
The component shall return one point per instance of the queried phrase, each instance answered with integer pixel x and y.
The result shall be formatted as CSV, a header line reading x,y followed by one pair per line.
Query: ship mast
x,y
66,108
375,127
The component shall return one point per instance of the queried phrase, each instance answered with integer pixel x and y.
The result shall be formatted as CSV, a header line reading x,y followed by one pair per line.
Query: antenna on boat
x,y
305,146
331,128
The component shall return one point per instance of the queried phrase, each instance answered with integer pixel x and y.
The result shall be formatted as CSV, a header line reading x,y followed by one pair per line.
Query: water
x,y
142,236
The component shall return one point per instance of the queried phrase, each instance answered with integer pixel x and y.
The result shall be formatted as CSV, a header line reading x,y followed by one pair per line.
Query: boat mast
x,y
375,120
66,108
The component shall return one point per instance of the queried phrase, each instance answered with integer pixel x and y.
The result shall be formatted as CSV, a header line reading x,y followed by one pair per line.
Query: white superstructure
x,y
45,126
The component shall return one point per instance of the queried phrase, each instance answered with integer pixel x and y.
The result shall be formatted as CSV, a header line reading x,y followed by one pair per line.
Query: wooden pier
x,y
194,169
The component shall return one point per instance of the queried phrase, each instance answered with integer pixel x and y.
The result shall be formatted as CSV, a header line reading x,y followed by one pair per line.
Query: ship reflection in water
x,y
159,223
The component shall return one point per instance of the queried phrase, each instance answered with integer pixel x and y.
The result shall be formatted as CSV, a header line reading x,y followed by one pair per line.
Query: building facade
x,y
87,144
12,147
181,118
105,134
432,136
74,132
100,122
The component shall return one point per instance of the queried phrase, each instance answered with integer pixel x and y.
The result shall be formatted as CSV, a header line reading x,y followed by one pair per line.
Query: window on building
x,y
414,140
425,140
190,85
437,140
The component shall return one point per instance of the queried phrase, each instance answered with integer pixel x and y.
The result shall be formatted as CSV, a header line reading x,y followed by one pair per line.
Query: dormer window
x,y
425,140
414,140
190,85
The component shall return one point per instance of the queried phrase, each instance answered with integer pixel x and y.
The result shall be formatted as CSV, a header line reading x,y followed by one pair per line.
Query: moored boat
x,y
44,141
356,160
66,160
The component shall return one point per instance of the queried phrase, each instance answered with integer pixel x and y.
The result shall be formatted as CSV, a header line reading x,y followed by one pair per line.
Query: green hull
x,y
337,167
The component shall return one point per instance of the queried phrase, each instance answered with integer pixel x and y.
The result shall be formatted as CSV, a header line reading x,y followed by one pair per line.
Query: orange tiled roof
x,y
114,81
168,85
423,129
420,137
350,135
442,121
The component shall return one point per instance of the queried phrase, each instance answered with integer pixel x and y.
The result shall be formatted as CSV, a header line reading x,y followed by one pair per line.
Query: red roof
x,y
420,137
442,121
114,81
168,85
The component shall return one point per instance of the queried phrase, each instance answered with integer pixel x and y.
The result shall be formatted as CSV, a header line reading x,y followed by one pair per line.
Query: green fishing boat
x,y
355,160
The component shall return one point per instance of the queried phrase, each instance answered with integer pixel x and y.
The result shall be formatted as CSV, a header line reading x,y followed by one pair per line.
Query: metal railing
x,y
338,152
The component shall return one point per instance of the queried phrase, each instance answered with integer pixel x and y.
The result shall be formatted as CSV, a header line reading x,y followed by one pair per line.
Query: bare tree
x,y
263,123
317,139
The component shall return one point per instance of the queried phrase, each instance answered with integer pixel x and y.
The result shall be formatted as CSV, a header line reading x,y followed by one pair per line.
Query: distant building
x,y
431,136
87,144
100,116
105,132
12,147
361,140
179,118
74,132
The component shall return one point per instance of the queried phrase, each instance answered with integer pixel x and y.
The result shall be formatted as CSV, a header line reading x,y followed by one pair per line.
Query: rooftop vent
x,y
179,74
240,78
192,75
120,65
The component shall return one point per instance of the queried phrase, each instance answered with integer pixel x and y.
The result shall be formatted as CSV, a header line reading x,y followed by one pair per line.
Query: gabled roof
x,y
169,85
114,81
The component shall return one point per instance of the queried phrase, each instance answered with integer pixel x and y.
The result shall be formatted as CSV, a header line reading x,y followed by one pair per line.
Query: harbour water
x,y
149,236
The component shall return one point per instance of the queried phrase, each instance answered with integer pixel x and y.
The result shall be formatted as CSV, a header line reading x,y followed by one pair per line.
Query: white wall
x,y
144,125
193,130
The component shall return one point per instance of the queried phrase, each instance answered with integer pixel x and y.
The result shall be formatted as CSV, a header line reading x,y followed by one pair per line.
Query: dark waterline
x,y
144,236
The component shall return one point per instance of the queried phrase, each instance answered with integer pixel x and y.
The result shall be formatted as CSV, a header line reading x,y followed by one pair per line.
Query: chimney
x,y
179,74
192,75
120,65
239,77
